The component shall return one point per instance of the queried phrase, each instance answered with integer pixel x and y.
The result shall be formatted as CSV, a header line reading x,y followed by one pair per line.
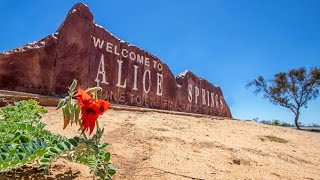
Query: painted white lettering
x,y
221,102
146,61
159,84
135,77
154,63
203,93
159,66
97,42
124,53
190,93
119,75
208,97
217,101
109,47
101,71
139,59
132,56
144,81
196,94
212,99
115,50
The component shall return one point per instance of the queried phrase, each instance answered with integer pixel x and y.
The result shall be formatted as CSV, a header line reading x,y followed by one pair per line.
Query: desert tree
x,y
292,90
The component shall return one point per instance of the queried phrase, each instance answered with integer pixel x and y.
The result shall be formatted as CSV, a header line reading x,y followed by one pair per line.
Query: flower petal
x,y
103,105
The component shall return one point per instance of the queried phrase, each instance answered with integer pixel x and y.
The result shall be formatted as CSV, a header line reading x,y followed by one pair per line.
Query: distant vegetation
x,y
292,90
274,122
277,122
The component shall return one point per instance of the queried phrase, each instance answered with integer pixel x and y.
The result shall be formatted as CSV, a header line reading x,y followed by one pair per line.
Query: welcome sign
x,y
83,50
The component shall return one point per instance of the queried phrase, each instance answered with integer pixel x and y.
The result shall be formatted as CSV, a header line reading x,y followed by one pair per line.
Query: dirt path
x,y
152,145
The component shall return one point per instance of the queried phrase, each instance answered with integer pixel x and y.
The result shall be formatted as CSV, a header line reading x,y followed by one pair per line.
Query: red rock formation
x,y
83,50
198,95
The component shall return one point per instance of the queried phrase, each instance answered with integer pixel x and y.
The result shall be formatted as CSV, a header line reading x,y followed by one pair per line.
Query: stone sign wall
x,y
83,50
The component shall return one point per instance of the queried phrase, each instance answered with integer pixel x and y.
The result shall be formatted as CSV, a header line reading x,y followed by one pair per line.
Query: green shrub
x,y
24,139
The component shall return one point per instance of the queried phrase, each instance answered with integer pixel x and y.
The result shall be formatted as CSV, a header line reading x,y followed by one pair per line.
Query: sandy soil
x,y
153,145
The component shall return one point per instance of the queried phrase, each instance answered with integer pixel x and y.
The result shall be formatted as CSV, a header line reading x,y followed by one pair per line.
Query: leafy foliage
x,y
70,109
23,111
24,139
91,153
292,90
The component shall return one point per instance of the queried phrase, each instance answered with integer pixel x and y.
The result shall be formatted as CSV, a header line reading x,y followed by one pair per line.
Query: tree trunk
x,y
296,118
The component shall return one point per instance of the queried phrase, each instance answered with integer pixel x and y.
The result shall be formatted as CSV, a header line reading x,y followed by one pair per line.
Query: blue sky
x,y
228,42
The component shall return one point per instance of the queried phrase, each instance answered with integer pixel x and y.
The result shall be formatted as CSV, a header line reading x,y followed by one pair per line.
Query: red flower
x,y
90,110
103,105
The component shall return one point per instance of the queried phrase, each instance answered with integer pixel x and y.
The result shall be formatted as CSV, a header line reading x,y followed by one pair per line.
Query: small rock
x,y
3,103
237,161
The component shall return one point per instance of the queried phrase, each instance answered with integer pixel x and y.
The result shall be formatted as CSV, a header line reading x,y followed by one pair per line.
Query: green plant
x,y
24,139
276,122
91,153
23,111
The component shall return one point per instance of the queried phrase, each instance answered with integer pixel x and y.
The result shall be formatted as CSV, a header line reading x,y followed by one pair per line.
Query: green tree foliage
x,y
292,90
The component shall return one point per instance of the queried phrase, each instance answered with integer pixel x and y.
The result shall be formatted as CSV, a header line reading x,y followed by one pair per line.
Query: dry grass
x,y
273,138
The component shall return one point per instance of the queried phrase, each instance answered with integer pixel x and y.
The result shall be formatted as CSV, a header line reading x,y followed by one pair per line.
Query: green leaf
x,y
35,146
61,103
106,157
73,142
61,147
43,167
4,156
92,162
15,160
66,116
103,145
23,139
109,177
23,125
30,127
40,152
93,90
24,161
77,139
73,85
54,150
44,160
1,160
47,155
77,114
3,149
72,111
95,147
67,144
54,141
33,157
5,165
102,174
21,156
111,169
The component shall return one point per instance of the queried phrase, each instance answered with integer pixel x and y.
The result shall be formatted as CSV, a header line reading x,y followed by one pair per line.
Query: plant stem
x,y
98,129
83,133
97,123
